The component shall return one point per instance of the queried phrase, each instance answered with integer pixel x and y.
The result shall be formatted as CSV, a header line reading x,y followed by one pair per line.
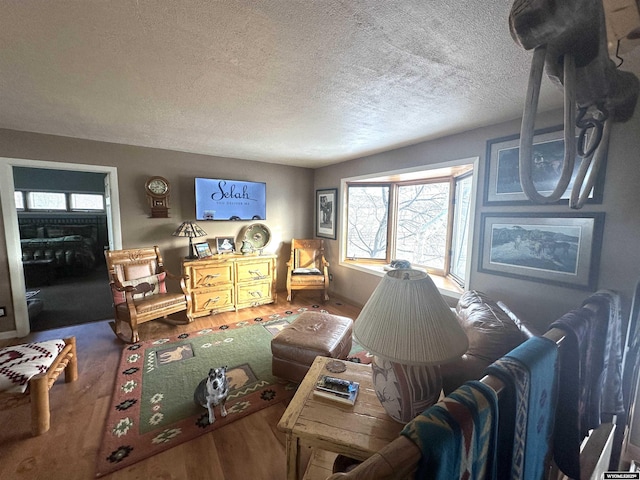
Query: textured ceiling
x,y
295,82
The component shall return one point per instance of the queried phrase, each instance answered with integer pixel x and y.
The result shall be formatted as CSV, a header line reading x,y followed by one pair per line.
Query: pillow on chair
x,y
151,285
306,271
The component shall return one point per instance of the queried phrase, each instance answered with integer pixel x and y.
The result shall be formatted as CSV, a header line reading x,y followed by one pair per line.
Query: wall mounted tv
x,y
219,199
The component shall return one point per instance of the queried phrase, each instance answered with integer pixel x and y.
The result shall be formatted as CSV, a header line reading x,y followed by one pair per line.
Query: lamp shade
x,y
407,321
189,229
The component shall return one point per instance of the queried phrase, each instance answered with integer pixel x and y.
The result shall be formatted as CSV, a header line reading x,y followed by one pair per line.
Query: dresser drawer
x,y
254,293
212,299
255,270
210,275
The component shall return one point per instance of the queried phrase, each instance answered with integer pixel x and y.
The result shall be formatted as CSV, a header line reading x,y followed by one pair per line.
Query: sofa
x,y
492,329
67,248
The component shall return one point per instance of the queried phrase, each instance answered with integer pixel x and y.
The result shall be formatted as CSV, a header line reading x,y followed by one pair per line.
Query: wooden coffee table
x,y
356,431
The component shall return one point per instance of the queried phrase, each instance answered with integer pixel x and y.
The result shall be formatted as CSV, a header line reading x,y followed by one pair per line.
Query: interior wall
x,y
539,302
290,195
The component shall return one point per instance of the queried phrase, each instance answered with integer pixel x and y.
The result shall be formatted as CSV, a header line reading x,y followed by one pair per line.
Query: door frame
x,y
12,232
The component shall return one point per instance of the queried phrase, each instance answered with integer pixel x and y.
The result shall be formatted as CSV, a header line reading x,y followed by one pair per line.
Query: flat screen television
x,y
219,199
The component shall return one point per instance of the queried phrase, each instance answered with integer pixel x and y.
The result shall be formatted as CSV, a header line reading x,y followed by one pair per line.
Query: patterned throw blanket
x,y
21,362
457,436
526,419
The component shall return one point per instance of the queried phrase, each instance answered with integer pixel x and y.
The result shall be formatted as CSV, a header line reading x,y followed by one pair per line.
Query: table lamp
x,y
410,330
191,230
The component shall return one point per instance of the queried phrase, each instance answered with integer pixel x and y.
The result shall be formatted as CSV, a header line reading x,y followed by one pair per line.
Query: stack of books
x,y
336,389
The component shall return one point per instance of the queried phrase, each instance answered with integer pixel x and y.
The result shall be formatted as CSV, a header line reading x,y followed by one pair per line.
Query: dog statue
x,y
213,391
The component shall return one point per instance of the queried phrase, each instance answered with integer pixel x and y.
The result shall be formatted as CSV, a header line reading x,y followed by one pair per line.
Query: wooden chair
x,y
39,385
137,278
307,269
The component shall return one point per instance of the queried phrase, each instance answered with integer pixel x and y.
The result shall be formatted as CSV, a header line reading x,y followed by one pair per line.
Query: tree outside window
x,y
423,221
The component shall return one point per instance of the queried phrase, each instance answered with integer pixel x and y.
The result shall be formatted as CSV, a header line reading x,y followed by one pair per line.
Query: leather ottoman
x,y
310,335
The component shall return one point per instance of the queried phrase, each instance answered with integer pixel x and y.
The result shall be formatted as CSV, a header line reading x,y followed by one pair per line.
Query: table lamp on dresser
x,y
191,230
410,330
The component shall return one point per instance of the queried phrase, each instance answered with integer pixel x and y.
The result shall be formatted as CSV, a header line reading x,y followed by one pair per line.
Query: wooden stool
x,y
39,385
310,335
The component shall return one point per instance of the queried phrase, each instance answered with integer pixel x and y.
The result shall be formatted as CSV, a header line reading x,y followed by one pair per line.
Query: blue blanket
x,y
457,436
527,408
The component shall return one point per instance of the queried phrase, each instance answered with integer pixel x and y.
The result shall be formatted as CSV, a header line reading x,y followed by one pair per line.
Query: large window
x,y
423,219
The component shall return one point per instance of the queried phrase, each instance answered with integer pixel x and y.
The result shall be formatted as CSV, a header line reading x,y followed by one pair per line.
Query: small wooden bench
x,y
39,385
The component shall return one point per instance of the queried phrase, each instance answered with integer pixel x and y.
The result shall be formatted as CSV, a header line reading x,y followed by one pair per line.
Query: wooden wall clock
x,y
157,190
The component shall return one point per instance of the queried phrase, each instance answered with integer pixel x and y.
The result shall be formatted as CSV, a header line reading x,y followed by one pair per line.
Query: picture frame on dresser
x,y
554,248
326,213
203,250
502,177
225,244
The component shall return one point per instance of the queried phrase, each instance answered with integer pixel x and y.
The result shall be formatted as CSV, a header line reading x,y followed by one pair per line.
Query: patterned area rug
x,y
152,407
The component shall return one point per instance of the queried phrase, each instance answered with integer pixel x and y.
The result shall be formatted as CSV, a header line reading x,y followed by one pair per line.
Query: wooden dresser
x,y
229,282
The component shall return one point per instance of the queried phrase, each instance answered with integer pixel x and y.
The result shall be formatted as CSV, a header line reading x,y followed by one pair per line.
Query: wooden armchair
x,y
307,269
137,278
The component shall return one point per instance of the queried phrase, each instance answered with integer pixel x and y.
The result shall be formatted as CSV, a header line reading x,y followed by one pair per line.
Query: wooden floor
x,y
249,449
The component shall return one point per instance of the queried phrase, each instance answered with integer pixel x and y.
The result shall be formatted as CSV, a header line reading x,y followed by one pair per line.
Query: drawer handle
x,y
207,280
256,294
257,274
211,300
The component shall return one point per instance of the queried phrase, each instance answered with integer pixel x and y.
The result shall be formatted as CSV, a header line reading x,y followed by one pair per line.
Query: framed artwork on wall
x,y
502,177
203,250
554,248
326,213
225,244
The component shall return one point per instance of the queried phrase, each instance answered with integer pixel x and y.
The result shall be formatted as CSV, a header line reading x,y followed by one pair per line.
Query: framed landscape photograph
x,y
225,244
560,249
203,250
326,208
502,180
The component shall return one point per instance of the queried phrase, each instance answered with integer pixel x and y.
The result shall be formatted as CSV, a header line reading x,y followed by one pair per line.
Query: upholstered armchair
x,y
307,269
137,277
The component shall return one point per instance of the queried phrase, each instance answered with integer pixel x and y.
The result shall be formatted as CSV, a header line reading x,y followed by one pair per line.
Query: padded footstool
x,y
310,335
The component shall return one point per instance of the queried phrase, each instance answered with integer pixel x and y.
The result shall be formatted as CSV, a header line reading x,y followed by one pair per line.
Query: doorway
x,y
12,231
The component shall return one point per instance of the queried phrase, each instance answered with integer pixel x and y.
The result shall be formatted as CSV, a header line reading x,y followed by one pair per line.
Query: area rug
x,y
152,407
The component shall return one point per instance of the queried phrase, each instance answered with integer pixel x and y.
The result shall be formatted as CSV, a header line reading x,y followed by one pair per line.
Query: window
x,y
59,201
19,197
422,224
422,217
86,201
367,215
461,221
46,201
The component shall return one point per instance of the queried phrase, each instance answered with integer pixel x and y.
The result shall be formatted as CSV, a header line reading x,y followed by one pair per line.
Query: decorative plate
x,y
258,234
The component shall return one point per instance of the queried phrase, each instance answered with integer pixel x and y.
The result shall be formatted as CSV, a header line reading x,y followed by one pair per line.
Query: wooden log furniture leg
x,y
39,386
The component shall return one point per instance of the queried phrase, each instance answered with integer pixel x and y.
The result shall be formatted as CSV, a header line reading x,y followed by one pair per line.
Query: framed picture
x,y
502,182
560,249
326,211
225,244
203,250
